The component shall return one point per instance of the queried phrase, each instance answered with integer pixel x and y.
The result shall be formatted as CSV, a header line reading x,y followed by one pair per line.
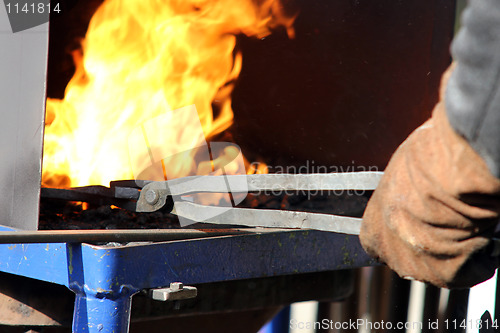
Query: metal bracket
x,y
177,291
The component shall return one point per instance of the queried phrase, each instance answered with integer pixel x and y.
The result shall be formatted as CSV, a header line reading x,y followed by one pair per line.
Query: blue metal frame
x,y
105,278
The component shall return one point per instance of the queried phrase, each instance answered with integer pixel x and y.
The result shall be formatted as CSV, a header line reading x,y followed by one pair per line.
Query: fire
x,y
141,59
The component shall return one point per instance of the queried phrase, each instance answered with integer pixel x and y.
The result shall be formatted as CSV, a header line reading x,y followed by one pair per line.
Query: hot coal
x,y
61,215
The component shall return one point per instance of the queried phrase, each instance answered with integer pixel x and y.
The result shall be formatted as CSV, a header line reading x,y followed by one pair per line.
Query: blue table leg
x,y
102,313
102,304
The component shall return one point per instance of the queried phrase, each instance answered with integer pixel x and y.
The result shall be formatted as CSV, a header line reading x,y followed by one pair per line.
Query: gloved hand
x,y
435,210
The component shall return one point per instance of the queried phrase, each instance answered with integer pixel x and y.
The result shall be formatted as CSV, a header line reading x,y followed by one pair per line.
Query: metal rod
x,y
122,236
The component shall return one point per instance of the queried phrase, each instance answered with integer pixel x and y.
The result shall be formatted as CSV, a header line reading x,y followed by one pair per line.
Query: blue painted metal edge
x,y
104,278
154,265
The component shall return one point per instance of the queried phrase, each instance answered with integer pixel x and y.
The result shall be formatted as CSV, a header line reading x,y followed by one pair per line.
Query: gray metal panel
x,y
23,63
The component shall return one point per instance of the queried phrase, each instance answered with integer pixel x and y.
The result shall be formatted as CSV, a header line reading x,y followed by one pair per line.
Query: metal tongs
x,y
151,196
154,195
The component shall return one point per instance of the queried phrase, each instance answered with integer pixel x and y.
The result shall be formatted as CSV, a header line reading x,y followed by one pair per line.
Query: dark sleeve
x,y
473,92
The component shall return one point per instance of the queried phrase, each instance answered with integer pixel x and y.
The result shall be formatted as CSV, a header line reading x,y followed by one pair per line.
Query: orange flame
x,y
140,59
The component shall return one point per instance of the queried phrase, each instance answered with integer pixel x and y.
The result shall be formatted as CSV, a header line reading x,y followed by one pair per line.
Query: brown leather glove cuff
x,y
435,210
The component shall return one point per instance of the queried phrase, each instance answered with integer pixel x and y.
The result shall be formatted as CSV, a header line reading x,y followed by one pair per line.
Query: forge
x,y
299,87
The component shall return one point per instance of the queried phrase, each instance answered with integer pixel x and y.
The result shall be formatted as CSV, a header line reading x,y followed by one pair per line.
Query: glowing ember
x,y
141,59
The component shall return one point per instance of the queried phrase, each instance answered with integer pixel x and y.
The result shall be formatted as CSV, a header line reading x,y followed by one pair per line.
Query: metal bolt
x,y
152,197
